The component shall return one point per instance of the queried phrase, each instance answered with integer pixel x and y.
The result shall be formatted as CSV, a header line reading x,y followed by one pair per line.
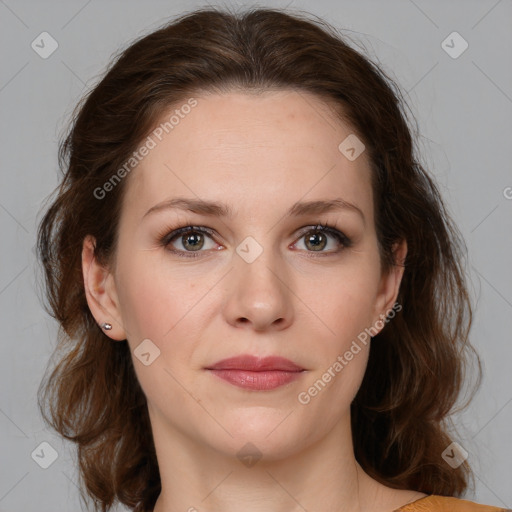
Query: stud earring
x,y
106,326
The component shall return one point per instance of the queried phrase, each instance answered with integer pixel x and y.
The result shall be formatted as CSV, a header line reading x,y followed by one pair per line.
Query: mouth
x,y
258,374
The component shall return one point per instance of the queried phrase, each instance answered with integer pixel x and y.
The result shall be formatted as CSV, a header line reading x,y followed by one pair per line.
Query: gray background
x,y
464,110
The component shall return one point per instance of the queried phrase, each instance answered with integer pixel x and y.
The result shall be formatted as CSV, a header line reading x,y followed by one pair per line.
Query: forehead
x,y
275,146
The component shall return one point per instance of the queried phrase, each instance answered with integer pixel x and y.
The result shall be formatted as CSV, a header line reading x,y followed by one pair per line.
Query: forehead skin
x,y
258,153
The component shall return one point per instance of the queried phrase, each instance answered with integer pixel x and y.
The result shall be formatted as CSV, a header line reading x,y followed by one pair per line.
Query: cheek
x,y
349,308
344,302
145,307
154,296
329,391
159,305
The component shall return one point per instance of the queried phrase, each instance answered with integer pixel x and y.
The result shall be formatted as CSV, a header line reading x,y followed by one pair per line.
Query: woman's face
x,y
251,277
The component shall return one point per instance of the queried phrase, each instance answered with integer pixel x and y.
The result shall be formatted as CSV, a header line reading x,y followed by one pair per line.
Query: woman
x,y
260,290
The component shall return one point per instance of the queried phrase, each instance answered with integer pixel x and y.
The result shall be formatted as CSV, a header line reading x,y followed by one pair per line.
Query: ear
x,y
390,283
101,292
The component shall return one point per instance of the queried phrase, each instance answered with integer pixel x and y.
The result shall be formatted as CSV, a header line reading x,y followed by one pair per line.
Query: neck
x,y
323,475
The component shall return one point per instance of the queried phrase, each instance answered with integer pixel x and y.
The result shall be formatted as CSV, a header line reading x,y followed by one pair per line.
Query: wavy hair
x,y
417,364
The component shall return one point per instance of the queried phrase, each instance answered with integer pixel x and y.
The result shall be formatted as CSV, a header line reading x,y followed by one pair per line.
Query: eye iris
x,y
193,241
314,240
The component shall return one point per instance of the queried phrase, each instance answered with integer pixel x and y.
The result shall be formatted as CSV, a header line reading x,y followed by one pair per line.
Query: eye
x,y
193,239
316,239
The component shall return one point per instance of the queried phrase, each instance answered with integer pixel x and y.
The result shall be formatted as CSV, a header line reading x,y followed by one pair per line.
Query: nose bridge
x,y
259,256
259,293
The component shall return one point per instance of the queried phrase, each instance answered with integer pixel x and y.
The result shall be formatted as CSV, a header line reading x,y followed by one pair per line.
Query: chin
x,y
265,431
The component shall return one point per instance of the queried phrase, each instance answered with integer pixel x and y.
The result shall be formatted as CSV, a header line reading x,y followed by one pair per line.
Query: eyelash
x,y
166,238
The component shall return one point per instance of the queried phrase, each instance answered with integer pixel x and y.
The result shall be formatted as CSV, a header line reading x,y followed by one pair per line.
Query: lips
x,y
257,374
255,364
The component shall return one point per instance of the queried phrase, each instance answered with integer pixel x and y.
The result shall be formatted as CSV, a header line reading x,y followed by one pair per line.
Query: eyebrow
x,y
213,208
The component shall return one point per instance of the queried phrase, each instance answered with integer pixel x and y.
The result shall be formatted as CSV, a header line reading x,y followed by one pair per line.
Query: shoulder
x,y
434,503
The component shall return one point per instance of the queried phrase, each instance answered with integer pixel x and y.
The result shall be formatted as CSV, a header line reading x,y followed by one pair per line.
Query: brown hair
x,y
417,364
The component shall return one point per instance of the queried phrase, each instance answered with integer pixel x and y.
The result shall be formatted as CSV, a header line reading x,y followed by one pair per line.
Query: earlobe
x,y
100,293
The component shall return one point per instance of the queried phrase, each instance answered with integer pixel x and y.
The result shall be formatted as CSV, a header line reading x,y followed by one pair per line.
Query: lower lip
x,y
259,381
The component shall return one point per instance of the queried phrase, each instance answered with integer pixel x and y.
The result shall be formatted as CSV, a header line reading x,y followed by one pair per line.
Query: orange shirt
x,y
436,503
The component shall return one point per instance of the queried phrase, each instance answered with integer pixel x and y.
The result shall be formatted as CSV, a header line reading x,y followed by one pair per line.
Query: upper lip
x,y
256,364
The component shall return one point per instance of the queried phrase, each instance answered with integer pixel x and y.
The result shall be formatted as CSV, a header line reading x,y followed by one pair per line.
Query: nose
x,y
259,294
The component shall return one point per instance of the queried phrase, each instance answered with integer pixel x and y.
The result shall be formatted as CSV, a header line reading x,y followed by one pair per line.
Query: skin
x,y
259,154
